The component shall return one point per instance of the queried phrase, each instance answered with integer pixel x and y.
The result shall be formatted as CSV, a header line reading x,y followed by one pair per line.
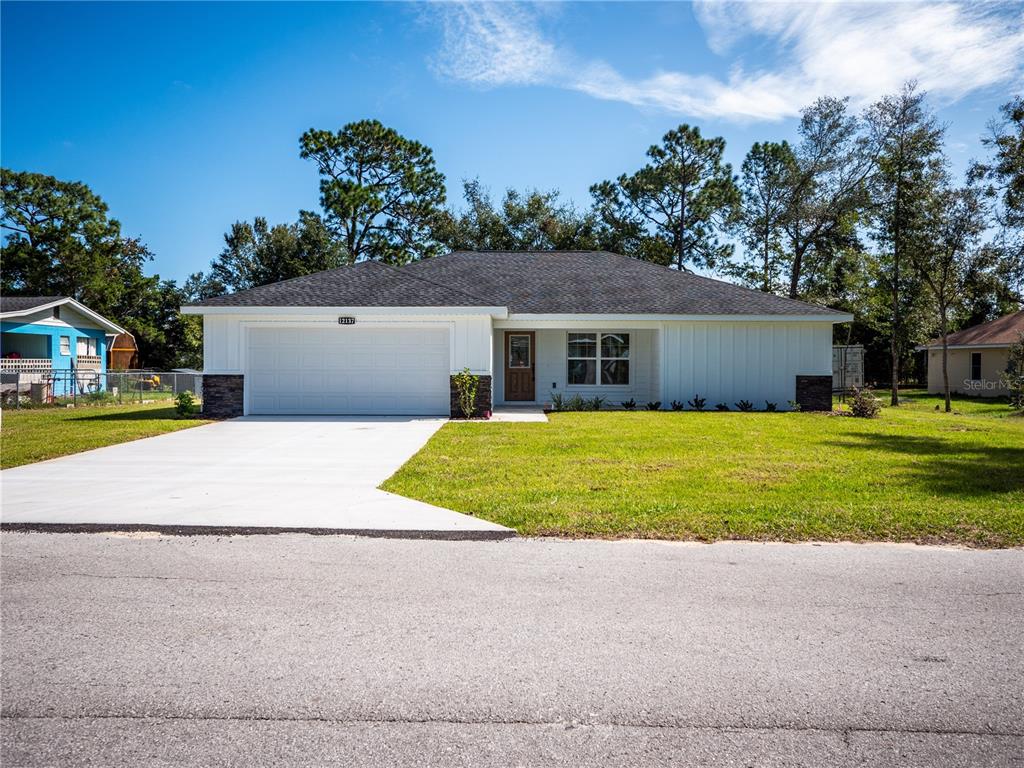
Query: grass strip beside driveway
x,y
36,434
912,475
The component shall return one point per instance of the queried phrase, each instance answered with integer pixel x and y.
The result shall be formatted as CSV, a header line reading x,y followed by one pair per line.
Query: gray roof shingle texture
x,y
23,303
528,282
366,284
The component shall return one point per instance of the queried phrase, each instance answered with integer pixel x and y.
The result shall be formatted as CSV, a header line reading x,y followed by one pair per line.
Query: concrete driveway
x,y
295,473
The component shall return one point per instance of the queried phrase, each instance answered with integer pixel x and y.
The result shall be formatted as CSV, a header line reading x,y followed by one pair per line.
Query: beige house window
x,y
975,366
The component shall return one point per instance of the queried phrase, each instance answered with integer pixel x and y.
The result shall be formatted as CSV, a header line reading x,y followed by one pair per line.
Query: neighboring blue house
x,y
55,341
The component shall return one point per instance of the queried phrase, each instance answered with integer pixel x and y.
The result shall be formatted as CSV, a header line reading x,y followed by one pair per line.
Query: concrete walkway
x,y
256,473
522,413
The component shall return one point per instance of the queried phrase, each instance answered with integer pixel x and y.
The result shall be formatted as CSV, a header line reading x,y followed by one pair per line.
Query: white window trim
x,y
65,352
598,359
91,347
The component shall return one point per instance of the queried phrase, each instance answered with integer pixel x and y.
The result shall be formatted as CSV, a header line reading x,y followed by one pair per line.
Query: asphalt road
x,y
299,650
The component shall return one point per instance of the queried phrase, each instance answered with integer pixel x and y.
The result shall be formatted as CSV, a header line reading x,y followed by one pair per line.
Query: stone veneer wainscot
x,y
223,396
482,407
814,393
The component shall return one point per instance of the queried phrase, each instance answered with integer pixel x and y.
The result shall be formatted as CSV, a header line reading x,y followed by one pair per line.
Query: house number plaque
x,y
346,320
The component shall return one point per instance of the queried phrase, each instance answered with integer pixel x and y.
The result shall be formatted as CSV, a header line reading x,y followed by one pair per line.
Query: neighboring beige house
x,y
977,356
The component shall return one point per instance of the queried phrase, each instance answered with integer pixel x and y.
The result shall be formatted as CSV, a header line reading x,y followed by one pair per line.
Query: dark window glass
x,y
976,366
582,371
519,351
615,372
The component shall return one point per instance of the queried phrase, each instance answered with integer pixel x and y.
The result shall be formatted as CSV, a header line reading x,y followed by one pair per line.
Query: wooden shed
x,y
124,353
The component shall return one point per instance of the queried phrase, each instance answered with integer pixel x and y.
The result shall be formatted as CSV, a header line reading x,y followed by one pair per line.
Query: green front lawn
x,y
914,474
35,434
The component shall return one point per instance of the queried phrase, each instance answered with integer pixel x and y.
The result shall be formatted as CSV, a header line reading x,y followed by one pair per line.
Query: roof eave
x,y
978,345
105,324
225,309
829,317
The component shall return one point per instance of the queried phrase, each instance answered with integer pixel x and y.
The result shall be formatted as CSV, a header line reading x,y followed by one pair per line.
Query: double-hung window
x,y
86,346
598,358
65,345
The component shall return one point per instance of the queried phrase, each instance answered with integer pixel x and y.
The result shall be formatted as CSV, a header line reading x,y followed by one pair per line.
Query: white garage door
x,y
348,370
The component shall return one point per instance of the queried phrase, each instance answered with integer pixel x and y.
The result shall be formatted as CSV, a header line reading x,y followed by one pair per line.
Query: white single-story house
x,y
977,357
377,339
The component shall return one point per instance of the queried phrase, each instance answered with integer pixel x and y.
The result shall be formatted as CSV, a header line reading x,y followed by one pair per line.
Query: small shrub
x,y
721,407
184,404
465,386
744,405
629,405
793,405
1013,377
557,401
771,407
864,404
677,405
697,403
655,406
594,403
576,403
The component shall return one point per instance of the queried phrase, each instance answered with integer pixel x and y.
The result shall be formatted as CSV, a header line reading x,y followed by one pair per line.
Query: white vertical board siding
x,y
472,344
725,362
552,366
225,349
222,344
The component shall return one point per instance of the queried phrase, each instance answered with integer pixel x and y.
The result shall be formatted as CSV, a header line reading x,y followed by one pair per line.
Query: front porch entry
x,y
617,363
520,365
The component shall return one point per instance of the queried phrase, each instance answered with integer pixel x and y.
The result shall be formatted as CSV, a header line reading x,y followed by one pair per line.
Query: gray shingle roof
x,y
366,284
24,303
531,282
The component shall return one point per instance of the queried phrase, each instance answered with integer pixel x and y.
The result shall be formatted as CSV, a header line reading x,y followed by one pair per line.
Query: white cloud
x,y
861,50
494,44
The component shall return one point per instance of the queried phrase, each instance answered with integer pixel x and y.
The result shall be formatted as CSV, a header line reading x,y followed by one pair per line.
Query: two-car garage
x,y
383,368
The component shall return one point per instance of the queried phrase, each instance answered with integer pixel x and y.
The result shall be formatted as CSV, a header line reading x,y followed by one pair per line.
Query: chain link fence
x,y
39,388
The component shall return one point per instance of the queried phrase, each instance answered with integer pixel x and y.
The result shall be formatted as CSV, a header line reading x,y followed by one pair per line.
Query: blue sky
x,y
186,117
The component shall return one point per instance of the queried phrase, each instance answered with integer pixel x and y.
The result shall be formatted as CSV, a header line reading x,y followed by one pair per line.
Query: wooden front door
x,y
519,365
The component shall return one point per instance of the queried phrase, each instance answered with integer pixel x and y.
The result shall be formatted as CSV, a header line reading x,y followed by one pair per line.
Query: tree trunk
x,y
766,283
896,243
945,358
681,254
794,273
